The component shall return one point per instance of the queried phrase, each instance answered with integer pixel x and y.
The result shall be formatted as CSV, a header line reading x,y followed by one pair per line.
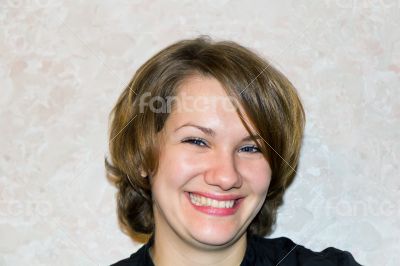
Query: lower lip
x,y
216,211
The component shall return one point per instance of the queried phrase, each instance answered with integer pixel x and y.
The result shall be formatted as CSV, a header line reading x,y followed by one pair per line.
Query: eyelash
x,y
195,141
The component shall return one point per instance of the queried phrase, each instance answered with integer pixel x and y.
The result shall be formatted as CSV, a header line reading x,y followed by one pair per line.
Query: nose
x,y
224,173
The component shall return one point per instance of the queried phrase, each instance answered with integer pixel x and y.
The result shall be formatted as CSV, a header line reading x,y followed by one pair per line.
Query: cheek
x,y
259,177
176,168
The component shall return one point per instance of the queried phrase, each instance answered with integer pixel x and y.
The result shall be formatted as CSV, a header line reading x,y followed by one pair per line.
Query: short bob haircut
x,y
268,98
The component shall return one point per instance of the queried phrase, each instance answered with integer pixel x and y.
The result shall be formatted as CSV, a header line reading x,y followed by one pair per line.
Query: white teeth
x,y
208,203
203,201
214,203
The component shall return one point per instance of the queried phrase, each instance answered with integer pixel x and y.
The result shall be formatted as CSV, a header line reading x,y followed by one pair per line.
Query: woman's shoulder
x,y
284,251
140,257
268,251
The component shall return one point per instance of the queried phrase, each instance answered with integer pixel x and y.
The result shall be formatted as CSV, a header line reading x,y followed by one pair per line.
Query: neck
x,y
169,249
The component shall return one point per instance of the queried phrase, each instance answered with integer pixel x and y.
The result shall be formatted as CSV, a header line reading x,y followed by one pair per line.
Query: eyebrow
x,y
212,133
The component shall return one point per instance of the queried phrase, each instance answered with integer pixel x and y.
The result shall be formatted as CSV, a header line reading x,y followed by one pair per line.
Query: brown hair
x,y
268,98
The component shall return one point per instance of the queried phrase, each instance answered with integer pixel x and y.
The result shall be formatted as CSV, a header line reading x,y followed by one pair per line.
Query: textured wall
x,y
63,64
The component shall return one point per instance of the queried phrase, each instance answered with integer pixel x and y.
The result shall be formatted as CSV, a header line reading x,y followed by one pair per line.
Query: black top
x,y
264,252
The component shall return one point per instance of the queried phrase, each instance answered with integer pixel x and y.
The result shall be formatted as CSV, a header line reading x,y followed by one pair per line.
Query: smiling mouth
x,y
199,200
215,205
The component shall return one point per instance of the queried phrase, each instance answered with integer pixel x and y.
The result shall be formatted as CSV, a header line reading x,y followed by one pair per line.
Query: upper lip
x,y
217,197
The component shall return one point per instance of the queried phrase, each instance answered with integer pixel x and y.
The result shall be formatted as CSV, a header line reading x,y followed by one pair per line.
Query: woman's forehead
x,y
213,121
199,85
203,101
200,93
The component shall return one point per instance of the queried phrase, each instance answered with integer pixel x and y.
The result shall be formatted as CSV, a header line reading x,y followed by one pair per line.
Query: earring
x,y
143,173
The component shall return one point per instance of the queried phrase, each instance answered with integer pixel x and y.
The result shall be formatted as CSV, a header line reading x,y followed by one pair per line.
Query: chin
x,y
216,237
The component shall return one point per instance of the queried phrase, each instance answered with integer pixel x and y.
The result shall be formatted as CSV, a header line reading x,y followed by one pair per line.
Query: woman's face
x,y
212,179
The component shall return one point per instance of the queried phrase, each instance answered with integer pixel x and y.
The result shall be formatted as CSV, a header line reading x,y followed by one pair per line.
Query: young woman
x,y
203,142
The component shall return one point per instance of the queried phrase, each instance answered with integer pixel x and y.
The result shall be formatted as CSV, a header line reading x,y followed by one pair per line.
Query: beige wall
x,y
64,63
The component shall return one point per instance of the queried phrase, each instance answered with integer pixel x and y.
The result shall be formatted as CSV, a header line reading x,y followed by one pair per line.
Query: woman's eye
x,y
251,149
202,143
195,141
